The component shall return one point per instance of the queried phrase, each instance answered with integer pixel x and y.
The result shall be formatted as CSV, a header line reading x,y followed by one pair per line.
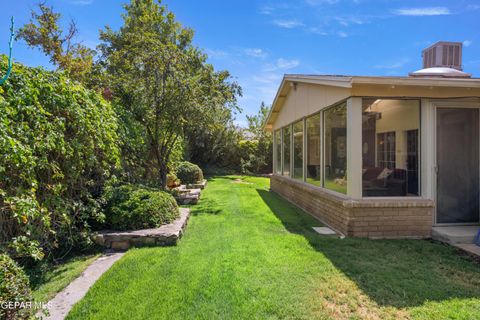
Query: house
x,y
381,157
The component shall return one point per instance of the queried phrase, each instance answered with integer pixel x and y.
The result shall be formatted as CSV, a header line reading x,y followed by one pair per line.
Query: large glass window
x,y
278,151
313,149
287,135
298,150
390,136
335,148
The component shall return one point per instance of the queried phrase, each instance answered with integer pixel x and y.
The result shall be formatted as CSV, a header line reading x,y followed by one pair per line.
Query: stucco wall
x,y
307,99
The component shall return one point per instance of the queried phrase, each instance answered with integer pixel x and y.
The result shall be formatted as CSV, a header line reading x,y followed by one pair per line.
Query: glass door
x,y
457,165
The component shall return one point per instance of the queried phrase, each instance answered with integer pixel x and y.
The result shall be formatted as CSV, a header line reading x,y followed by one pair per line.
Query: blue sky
x,y
258,41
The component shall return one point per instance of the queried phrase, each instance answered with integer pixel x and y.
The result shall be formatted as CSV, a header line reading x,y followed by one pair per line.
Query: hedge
x,y
58,143
188,172
130,207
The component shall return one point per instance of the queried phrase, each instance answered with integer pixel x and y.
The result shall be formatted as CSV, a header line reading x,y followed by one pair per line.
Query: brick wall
x,y
372,218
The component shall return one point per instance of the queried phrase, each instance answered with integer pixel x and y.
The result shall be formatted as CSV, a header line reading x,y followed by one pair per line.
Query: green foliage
x,y
223,146
188,172
257,155
162,86
129,207
14,288
44,32
172,180
58,143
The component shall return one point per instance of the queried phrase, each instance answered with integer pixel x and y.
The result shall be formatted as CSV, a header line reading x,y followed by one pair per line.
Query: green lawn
x,y
49,279
248,254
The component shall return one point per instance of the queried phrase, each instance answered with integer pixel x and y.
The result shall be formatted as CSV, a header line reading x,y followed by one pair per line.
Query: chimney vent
x,y
443,54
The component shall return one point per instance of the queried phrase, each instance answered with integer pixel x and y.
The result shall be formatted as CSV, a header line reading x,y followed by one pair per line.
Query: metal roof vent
x,y
442,59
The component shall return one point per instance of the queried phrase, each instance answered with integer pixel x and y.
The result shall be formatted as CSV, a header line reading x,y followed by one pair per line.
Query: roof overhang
x,y
350,82
290,80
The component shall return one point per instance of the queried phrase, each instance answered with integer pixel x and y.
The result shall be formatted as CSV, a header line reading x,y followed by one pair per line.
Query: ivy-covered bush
x,y
130,207
15,294
58,145
188,172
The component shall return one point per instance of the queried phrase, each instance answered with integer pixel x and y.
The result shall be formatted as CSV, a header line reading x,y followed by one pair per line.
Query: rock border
x,y
166,235
198,185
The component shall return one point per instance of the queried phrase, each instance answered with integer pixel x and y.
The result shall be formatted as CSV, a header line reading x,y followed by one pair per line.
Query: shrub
x,y
14,288
172,180
58,145
188,172
129,207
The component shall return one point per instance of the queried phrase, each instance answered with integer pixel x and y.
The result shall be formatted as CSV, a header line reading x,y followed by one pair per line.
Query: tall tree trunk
x,y
162,172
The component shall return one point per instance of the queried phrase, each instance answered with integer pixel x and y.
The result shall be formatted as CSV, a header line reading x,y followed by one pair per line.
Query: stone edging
x,y
165,235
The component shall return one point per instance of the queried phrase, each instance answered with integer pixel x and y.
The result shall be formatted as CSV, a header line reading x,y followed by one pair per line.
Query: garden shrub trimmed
x,y
130,207
14,288
188,172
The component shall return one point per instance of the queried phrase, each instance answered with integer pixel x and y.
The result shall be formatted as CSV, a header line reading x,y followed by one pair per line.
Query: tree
x,y
161,84
43,31
259,157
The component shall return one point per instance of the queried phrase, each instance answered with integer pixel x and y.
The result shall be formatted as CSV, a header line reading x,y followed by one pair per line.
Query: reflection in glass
x,y
335,142
287,135
278,152
298,150
390,135
313,149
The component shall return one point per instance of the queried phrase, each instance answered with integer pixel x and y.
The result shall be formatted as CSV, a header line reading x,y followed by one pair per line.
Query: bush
x,y
58,146
188,172
14,288
172,180
129,207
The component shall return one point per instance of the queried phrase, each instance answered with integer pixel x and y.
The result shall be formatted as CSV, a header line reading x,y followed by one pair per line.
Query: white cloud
x,y
267,10
288,24
287,64
429,11
342,34
213,53
255,52
467,43
346,21
281,64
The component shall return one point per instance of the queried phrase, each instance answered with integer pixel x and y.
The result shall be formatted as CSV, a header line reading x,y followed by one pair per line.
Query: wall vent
x,y
443,54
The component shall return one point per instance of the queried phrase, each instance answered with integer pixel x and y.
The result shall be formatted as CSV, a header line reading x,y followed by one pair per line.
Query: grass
x,y
248,254
47,279
329,184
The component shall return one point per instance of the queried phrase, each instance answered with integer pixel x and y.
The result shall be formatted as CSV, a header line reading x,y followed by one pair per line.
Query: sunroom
x,y
380,157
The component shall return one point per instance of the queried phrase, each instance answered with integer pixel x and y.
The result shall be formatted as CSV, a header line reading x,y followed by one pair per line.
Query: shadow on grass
x,y
398,273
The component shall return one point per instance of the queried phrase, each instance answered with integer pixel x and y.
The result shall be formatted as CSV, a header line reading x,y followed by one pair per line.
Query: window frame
x,y
324,145
419,149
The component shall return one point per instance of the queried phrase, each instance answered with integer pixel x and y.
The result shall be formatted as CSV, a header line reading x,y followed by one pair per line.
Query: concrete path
x,y
64,300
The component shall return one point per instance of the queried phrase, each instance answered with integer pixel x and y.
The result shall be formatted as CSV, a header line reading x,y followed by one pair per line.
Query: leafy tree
x,y
43,31
161,84
214,143
259,145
